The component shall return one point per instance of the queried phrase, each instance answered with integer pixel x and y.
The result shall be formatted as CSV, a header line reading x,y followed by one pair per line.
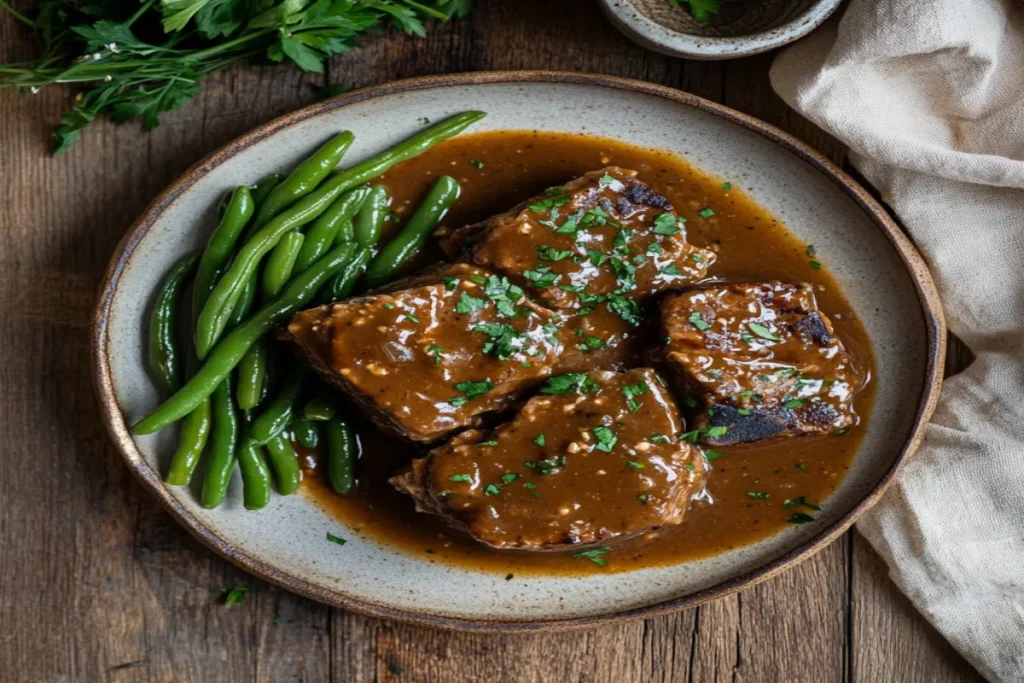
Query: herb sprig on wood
x,y
138,61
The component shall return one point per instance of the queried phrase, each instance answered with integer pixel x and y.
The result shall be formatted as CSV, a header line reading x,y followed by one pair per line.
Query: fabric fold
x,y
929,97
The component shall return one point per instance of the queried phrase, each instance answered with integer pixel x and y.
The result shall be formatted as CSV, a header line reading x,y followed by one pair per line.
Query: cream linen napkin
x,y
929,96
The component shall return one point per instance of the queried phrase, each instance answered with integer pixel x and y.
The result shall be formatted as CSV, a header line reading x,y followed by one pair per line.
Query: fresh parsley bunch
x,y
139,60
700,9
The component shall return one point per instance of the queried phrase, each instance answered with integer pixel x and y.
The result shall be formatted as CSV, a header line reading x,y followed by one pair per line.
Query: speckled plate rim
x,y
660,38
151,480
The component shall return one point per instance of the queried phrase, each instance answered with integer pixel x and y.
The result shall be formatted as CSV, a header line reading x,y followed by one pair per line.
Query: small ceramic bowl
x,y
742,28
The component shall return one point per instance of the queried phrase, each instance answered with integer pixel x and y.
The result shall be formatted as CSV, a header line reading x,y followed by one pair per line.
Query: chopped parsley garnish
x,y
631,391
653,248
762,332
574,381
800,518
759,495
800,466
667,224
457,402
744,411
726,186
594,555
706,212
588,343
622,237
547,466
627,309
472,388
625,274
460,477
492,442
551,254
468,304
597,258
541,277
841,432
412,318
504,294
697,321
710,432
643,498
713,455
596,216
435,351
605,438
634,465
689,401
336,539
793,403
492,490
553,201
451,283
478,164
794,502
503,340
509,478
815,265
389,306
479,279
605,180
811,251
659,438
672,270
237,594
540,440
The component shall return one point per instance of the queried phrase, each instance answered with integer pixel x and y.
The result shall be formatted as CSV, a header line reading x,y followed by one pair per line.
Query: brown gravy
x,y
496,170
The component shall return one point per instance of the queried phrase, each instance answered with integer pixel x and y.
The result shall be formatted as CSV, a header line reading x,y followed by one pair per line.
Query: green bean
x,y
305,177
340,288
332,227
305,432
252,372
278,414
279,266
371,217
165,358
341,455
195,431
406,243
223,443
285,464
255,475
225,356
216,314
264,186
220,245
247,298
321,407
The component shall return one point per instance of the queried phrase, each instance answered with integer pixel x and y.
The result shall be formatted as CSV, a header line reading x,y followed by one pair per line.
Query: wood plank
x,y
893,641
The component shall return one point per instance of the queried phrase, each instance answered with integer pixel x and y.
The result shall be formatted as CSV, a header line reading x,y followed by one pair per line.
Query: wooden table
x,y
97,583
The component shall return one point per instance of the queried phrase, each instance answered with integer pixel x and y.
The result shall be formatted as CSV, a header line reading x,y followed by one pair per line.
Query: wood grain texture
x,y
98,584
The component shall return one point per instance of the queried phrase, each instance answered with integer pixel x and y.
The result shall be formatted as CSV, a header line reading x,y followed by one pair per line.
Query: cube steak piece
x,y
761,359
592,458
602,239
432,358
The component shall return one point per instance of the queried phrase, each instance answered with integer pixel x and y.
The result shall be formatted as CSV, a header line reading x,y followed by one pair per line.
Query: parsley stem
x,y
142,10
20,17
437,14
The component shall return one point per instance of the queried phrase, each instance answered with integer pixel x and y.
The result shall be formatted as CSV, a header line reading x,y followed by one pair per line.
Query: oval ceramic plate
x,y
882,275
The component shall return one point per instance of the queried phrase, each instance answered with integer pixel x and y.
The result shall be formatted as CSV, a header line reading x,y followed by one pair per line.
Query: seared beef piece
x,y
434,357
604,239
761,359
592,458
